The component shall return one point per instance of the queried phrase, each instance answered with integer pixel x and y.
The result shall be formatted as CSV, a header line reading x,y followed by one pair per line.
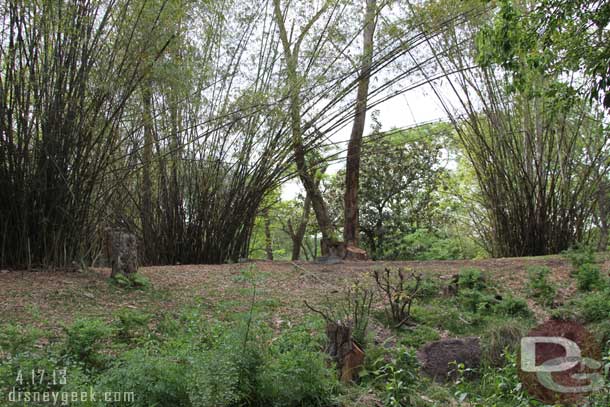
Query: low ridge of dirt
x,y
52,298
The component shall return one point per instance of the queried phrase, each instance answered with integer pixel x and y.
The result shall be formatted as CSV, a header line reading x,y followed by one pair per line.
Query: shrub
x,y
588,277
538,285
602,334
15,339
497,386
580,255
595,306
84,341
154,379
395,378
226,373
472,279
513,306
429,287
130,323
358,301
16,372
400,291
297,377
475,301
500,340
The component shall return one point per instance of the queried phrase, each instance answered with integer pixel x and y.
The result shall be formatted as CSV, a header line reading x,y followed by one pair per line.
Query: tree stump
x,y
355,253
341,347
123,252
333,249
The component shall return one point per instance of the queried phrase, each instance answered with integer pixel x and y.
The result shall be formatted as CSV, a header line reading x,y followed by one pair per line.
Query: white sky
x,y
417,106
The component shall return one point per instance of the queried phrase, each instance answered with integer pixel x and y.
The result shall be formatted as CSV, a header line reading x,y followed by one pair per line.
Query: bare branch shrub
x,y
399,287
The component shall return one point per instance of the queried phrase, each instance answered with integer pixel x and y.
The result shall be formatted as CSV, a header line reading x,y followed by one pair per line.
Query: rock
x,y
4,271
437,359
355,253
123,252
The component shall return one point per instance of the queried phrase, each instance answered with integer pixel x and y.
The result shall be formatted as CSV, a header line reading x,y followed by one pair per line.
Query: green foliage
x,y
472,279
16,339
497,386
500,340
601,331
580,255
296,373
425,244
226,373
135,280
549,43
395,378
429,287
405,212
130,323
513,306
418,336
358,300
588,277
17,371
84,340
595,306
538,285
475,301
154,379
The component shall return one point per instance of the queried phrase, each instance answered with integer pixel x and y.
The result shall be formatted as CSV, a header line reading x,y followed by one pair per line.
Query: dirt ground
x,y
50,299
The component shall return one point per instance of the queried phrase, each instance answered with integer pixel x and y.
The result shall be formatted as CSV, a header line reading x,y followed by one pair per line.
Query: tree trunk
x,y
352,173
306,175
268,237
602,205
299,234
147,159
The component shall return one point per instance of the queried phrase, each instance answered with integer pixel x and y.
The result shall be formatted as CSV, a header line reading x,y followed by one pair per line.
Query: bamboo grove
x,y
176,119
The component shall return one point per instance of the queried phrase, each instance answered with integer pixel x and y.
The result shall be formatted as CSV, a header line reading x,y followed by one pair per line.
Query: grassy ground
x,y
52,300
49,299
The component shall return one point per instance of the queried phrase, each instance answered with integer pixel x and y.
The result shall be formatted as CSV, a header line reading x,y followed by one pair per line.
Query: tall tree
x,y
352,168
295,84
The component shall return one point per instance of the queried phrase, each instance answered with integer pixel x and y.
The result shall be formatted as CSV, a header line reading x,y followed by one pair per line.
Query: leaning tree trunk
x,y
352,169
329,244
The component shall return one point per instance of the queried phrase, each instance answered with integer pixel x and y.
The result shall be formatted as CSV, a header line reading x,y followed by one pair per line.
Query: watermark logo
x,y
41,386
561,363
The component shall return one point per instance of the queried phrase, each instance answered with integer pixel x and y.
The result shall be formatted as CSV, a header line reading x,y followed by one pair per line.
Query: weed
x,y
588,277
539,286
472,279
84,341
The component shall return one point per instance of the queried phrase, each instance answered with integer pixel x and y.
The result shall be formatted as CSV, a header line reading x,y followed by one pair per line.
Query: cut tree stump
x,y
123,248
355,253
341,347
